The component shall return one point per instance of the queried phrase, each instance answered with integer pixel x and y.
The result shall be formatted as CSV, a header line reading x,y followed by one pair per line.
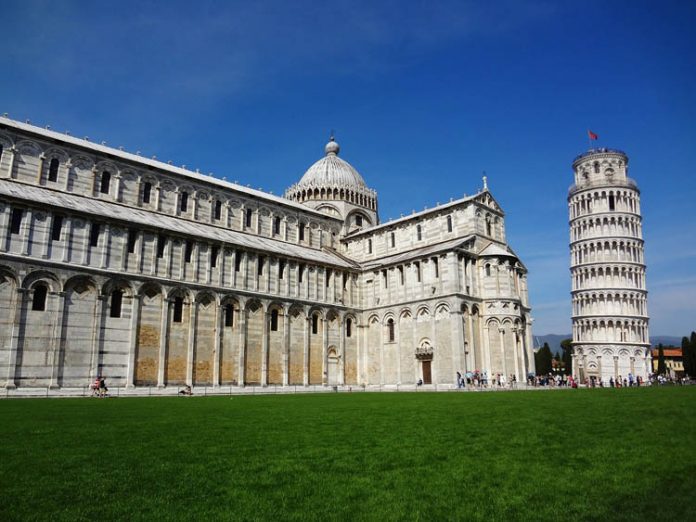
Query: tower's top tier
x,y
601,167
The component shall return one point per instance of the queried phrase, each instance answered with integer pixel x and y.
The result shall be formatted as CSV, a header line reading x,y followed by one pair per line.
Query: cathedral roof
x,y
147,162
331,171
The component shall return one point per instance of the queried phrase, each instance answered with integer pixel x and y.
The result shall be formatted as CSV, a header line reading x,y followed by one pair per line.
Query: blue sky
x,y
424,96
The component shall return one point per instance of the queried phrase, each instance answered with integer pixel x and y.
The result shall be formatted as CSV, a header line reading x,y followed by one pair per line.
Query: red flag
x,y
592,135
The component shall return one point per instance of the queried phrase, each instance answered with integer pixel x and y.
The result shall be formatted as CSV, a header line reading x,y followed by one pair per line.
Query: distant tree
x,y
689,354
661,366
567,356
543,360
686,355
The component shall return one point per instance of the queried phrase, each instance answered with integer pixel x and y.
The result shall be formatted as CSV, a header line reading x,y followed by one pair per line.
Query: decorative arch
x,y
45,276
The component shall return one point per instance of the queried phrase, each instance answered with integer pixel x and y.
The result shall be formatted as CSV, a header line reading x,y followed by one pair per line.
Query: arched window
x,y
276,225
56,228
247,221
147,190
596,167
229,316
259,265
369,246
38,303
105,182
53,170
419,235
274,320
302,228
94,235
392,239
218,209
488,269
183,205
390,330
315,324
16,220
449,223
178,309
612,204
488,227
116,302
349,327
358,220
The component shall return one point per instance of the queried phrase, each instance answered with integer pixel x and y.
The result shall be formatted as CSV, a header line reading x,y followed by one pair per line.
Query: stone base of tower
x,y
611,361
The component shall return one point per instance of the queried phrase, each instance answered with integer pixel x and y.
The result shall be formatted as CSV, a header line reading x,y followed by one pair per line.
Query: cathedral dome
x,y
332,172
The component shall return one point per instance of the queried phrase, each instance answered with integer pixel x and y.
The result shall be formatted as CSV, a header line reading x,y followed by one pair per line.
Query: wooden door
x,y
427,378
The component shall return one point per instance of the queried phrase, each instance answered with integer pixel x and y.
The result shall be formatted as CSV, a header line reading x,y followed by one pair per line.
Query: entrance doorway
x,y
427,375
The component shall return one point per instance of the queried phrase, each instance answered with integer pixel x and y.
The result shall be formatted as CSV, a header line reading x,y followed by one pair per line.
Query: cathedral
x,y
154,276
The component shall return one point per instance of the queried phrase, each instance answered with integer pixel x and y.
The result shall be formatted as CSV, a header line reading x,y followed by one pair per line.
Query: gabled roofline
x,y
166,167
422,213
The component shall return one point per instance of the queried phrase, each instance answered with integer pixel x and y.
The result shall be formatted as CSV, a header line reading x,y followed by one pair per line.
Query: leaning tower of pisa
x,y
610,315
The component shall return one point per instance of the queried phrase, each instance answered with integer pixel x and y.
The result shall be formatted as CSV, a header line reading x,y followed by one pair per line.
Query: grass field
x,y
624,454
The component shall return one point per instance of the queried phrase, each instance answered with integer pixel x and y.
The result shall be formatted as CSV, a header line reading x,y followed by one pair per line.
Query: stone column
x,y
66,235
457,341
117,189
529,347
135,319
342,353
487,352
217,351
56,345
473,360
13,155
576,370
27,225
39,173
17,306
97,326
106,239
164,331
325,351
5,212
264,346
305,370
190,360
516,341
286,347
242,343
501,330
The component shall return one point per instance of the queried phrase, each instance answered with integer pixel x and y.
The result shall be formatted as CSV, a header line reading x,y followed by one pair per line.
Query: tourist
x,y
102,387
186,391
95,387
459,380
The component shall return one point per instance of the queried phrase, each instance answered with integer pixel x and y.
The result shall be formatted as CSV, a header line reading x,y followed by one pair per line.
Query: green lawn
x,y
624,454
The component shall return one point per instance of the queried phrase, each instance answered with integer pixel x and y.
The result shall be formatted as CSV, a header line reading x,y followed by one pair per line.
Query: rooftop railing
x,y
602,150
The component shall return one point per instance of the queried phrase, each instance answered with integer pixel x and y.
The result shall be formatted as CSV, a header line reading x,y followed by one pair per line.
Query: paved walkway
x,y
201,391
